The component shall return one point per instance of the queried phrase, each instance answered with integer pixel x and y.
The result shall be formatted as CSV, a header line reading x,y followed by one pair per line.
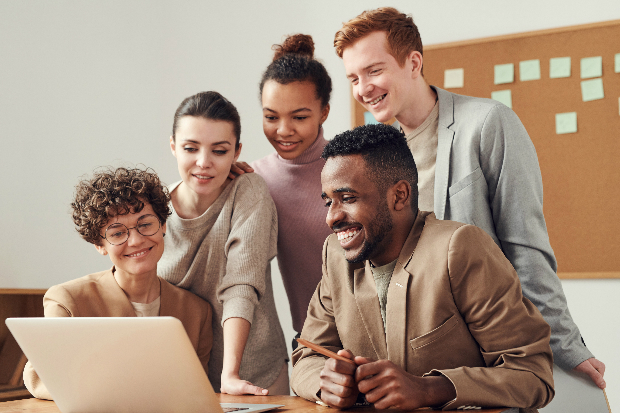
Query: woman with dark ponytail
x,y
295,91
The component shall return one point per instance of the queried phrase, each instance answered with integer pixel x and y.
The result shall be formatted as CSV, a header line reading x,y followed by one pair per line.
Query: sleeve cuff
x,y
447,404
239,307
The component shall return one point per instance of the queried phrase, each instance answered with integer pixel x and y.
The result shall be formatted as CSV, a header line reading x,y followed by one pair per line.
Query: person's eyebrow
x,y
295,111
370,66
221,143
339,190
345,189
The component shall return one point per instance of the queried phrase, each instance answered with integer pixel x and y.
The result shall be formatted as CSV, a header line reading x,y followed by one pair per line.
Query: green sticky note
x,y
617,63
453,78
559,67
504,73
591,67
503,96
566,122
592,89
369,119
529,70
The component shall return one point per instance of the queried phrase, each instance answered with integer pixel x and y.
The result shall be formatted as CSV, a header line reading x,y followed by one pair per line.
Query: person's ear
x,y
401,195
173,146
324,113
416,60
237,152
101,249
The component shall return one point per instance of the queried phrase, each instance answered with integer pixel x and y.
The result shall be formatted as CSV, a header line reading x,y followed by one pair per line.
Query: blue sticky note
x,y
592,89
617,63
504,73
591,67
559,67
529,70
566,123
369,119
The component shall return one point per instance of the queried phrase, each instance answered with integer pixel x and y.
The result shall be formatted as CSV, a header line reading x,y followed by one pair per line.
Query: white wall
x,y
85,84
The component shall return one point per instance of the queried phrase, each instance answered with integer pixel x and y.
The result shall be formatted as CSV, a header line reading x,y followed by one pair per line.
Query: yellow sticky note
x,y
617,63
566,123
453,78
503,96
592,89
559,67
591,67
504,73
529,70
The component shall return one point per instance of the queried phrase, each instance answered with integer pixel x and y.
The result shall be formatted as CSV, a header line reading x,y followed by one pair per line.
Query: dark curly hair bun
x,y
300,44
294,62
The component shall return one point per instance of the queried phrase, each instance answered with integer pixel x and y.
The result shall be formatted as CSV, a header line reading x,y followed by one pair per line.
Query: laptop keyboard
x,y
234,409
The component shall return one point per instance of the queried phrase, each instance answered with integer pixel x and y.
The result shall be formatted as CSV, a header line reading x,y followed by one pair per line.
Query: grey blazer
x,y
487,174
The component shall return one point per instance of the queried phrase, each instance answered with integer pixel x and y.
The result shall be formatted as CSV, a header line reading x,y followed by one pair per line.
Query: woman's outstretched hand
x,y
236,386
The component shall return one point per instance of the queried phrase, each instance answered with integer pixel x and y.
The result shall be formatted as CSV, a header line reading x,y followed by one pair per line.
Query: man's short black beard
x,y
381,226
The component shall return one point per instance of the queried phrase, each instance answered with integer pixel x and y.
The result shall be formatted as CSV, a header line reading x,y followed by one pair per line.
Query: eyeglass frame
x,y
128,229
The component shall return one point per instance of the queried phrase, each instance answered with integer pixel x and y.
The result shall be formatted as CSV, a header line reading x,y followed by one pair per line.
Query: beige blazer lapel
x,y
367,301
445,136
398,293
116,302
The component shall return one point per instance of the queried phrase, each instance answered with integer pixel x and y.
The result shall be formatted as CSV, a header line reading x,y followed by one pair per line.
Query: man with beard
x,y
430,311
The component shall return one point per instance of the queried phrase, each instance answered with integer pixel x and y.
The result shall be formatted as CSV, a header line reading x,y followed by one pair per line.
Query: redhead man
x,y
430,311
476,162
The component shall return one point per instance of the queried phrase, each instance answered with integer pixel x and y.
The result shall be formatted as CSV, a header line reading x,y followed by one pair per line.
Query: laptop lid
x,y
119,364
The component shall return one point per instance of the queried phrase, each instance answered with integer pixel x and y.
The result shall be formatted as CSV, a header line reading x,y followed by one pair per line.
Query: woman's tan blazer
x,y
99,295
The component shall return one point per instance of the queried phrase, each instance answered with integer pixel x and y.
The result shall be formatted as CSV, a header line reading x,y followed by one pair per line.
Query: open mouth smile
x,y
376,100
140,253
346,236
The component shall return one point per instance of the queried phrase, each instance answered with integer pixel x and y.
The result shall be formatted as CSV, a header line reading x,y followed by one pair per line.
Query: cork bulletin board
x,y
580,169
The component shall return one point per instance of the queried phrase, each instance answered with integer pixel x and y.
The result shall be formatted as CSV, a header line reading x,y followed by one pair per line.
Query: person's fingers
x,y
587,367
598,365
346,353
340,366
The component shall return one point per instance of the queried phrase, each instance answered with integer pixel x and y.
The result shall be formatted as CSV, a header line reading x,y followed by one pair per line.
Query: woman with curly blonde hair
x,y
123,213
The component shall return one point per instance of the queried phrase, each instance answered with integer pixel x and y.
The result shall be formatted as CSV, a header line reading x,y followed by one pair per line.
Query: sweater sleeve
x,y
56,303
251,245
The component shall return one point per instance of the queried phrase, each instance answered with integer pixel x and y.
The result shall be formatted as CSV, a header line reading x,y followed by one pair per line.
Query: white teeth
x,y
377,100
286,143
137,255
203,176
348,234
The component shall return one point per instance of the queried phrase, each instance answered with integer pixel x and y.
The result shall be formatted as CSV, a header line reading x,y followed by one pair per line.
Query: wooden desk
x,y
291,403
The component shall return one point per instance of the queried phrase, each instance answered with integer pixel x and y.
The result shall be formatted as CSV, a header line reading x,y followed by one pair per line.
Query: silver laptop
x,y
119,364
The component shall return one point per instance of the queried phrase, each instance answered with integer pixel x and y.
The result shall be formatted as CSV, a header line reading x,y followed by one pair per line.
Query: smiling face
x,y
379,83
138,256
358,212
292,116
205,151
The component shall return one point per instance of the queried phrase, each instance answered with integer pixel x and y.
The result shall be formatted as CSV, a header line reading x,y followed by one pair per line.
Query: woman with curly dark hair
x,y
123,212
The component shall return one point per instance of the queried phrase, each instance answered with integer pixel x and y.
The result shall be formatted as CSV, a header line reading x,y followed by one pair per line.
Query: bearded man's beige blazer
x,y
454,308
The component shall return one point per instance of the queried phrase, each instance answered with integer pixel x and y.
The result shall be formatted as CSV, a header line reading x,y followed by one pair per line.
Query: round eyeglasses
x,y
118,234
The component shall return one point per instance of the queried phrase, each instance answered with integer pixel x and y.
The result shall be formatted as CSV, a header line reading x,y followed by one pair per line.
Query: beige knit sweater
x,y
224,257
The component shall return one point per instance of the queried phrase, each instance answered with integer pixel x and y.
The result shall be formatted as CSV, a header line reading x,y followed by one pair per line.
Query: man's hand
x,y
594,369
239,168
386,385
338,387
